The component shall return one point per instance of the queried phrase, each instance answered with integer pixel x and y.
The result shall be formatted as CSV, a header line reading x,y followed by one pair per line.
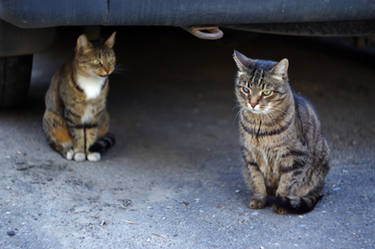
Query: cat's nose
x,y
107,69
253,101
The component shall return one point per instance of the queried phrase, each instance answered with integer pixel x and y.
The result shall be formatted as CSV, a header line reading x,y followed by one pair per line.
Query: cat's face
x,y
261,86
95,61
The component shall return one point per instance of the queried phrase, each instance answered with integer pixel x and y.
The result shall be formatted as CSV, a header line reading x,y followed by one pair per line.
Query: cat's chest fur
x,y
88,115
91,86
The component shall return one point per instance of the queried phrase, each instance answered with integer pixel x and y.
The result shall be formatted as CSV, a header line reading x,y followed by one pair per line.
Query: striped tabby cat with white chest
x,y
76,120
285,156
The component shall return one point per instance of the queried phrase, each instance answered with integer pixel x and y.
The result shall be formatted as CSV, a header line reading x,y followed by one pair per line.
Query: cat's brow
x,y
255,72
257,76
261,74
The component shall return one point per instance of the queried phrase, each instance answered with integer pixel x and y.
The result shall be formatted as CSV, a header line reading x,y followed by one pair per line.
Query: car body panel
x,y
41,13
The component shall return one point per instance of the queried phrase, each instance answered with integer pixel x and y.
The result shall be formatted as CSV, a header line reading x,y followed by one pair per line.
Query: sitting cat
x,y
76,120
285,155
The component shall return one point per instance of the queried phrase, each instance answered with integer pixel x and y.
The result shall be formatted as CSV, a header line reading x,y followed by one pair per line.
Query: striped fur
x,y
76,115
285,156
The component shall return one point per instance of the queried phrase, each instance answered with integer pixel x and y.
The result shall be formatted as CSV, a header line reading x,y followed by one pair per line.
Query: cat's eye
x,y
111,59
96,61
245,90
267,92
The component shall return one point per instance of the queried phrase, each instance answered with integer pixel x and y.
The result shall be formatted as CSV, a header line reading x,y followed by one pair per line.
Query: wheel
x,y
15,75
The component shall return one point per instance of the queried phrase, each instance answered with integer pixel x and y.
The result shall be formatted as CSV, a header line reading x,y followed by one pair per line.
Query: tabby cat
x,y
76,120
285,155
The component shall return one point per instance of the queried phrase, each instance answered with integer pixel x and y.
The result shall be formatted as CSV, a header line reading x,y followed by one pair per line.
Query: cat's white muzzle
x,y
258,110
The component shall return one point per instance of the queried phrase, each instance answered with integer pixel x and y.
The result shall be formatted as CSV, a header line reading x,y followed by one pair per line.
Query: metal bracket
x,y
205,32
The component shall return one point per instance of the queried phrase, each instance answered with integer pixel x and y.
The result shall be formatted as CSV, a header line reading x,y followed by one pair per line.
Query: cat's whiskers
x,y
275,113
120,68
238,106
238,113
278,109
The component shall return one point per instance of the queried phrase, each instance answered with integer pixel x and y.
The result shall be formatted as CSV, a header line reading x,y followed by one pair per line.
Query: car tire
x,y
15,75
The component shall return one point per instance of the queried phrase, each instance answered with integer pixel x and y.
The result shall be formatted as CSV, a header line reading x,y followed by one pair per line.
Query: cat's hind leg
x,y
57,133
301,181
298,191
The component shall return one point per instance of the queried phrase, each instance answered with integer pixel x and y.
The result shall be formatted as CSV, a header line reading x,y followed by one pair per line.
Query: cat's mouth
x,y
104,75
257,109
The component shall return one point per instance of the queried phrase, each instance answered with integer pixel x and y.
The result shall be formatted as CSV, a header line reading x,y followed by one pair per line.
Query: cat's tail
x,y
103,144
296,204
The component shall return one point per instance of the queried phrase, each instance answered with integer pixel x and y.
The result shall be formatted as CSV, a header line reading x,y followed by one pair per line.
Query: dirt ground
x,y
174,180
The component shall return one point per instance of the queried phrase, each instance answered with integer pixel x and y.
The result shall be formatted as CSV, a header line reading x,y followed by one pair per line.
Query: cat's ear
x,y
110,42
83,44
280,70
243,63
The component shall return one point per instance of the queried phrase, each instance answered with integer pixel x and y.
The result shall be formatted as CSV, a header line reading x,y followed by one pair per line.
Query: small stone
x,y
126,203
186,203
11,233
21,153
23,166
237,191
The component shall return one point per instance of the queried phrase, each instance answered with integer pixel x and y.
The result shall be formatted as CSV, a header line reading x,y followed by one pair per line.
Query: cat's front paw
x,y
79,157
257,203
69,155
94,157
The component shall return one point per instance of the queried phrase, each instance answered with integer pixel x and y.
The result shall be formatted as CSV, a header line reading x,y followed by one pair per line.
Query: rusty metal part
x,y
205,32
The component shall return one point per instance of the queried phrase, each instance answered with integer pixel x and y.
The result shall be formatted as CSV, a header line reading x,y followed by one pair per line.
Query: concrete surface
x,y
176,169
